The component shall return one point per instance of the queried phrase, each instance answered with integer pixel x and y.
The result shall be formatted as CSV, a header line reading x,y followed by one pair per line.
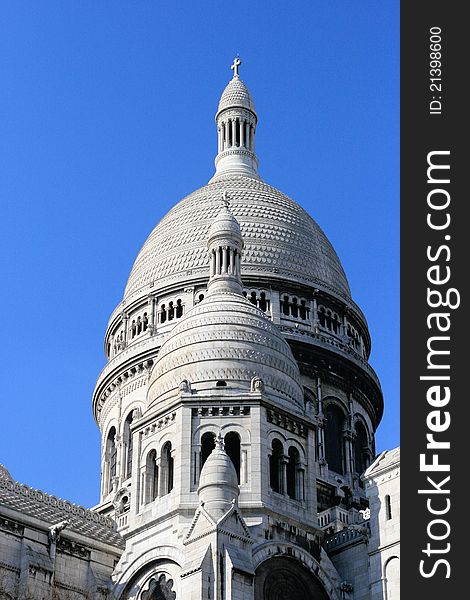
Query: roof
x,y
225,337
280,240
53,510
236,94
385,461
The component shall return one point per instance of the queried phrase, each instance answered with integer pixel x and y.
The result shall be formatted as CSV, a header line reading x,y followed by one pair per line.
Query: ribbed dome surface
x,y
226,338
4,474
236,94
280,239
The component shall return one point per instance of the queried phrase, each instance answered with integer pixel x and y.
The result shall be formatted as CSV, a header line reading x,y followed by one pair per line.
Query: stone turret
x,y
218,485
236,121
225,244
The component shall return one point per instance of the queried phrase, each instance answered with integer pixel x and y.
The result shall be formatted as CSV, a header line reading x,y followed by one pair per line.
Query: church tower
x,y
237,407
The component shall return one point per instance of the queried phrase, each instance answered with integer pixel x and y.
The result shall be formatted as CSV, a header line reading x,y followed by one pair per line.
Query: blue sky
x,y
107,120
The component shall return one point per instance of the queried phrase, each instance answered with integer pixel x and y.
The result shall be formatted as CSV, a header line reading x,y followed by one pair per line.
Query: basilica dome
x,y
282,242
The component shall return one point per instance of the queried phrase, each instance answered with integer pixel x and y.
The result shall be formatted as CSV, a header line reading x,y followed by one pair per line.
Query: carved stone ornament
x,y
257,384
185,386
159,589
122,501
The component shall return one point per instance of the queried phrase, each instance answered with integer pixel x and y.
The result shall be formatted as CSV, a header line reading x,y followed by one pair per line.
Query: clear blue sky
x,y
107,119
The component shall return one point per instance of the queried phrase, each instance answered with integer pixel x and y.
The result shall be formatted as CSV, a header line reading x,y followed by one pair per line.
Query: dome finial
x,y
219,441
236,63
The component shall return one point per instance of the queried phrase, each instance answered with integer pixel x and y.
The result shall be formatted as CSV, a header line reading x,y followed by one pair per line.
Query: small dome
x,y
225,224
218,483
226,338
236,94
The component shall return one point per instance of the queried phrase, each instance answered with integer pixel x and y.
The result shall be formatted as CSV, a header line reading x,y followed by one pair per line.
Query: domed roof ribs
x,y
236,125
225,245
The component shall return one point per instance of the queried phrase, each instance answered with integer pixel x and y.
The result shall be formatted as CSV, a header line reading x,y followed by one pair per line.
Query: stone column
x,y
348,452
232,258
345,325
242,133
197,464
153,318
283,474
211,264
161,477
315,311
300,482
125,321
120,449
217,261
244,466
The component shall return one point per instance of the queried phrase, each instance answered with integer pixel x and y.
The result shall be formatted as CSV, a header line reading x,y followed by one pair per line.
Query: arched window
x,y
171,311
139,325
361,449
334,438
163,314
133,329
128,446
145,321
151,471
328,319
200,298
295,308
232,448
275,467
179,309
167,468
321,316
207,445
293,475
388,507
111,458
263,303
253,299
285,306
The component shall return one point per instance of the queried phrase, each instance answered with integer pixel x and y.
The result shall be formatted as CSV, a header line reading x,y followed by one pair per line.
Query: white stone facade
x,y
383,490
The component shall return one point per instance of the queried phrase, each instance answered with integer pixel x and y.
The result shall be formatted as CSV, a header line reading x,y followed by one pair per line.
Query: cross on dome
x,y
236,63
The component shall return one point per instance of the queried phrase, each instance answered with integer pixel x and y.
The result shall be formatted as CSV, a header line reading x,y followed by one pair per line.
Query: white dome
x,y
226,338
218,483
236,94
281,241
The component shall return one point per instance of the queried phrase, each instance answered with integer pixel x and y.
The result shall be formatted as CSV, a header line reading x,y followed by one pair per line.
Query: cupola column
x,y
225,245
